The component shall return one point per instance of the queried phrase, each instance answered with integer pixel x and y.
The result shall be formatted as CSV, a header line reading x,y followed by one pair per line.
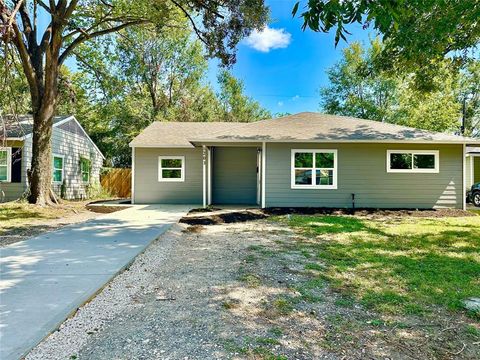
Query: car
x,y
474,194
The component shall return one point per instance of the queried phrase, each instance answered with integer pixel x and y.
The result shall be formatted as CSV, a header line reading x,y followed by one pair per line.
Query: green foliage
x,y
418,34
234,104
358,88
355,89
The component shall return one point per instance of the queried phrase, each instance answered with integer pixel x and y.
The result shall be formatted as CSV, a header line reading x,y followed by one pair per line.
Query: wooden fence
x,y
118,182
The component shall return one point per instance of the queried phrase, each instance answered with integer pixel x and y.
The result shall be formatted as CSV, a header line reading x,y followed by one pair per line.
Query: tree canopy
x,y
417,34
358,88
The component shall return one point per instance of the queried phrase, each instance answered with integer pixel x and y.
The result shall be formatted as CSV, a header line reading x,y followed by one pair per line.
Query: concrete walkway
x,y
45,279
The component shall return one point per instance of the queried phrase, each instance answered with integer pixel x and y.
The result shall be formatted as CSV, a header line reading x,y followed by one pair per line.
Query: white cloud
x,y
268,39
295,98
280,103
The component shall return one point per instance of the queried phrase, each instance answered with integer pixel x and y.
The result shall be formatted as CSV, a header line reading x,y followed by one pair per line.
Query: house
x,y
303,160
473,166
76,160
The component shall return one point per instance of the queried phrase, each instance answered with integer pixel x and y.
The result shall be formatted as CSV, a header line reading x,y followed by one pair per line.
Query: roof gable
x,y
21,127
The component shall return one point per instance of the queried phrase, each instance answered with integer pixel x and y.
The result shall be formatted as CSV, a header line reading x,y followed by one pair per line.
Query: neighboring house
x,y
302,160
473,166
76,160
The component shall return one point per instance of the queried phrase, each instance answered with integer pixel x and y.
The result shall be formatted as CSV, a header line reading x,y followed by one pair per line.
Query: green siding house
x,y
303,160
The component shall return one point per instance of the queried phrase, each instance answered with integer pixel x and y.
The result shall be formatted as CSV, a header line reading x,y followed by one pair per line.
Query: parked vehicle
x,y
473,195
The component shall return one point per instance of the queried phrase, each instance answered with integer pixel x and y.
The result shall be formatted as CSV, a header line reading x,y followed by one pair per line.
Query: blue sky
x,y
288,79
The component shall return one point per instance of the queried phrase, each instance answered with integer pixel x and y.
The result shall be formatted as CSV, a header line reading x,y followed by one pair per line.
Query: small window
x,y
413,161
58,165
171,168
5,164
85,168
314,169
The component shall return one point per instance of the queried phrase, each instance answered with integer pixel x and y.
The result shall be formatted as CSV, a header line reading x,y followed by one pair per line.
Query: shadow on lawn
x,y
18,212
393,268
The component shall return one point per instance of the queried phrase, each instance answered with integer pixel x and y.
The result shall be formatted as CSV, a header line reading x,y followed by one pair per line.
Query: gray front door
x,y
234,175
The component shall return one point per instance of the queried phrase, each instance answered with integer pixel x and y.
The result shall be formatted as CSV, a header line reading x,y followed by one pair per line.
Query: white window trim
x,y
63,167
435,170
162,179
9,164
314,186
81,172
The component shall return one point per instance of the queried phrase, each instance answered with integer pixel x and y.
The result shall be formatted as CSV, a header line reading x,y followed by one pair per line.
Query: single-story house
x,y
76,160
303,160
473,166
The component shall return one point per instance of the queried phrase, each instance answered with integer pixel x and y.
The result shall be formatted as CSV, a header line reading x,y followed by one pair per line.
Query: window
x,y
315,169
413,161
58,164
85,166
5,164
171,168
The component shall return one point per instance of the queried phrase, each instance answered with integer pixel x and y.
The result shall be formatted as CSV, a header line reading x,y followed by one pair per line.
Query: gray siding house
x,y
302,160
76,160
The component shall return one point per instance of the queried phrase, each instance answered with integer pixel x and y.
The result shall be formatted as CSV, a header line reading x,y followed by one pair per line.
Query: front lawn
x,y
20,220
395,265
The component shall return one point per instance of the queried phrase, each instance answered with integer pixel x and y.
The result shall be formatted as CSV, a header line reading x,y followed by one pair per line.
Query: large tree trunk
x,y
44,97
40,175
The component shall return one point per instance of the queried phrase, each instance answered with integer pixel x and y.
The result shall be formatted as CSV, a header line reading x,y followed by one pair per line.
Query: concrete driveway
x,y
46,278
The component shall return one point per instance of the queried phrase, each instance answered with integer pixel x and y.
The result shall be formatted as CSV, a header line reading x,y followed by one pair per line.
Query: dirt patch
x,y
204,210
105,209
212,216
227,217
370,212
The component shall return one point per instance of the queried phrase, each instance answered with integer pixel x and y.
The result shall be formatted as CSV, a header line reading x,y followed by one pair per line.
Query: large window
x,y
58,166
5,164
85,167
413,161
171,168
315,169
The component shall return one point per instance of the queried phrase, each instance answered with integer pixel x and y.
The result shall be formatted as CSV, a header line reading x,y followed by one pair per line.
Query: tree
x,y
137,76
236,106
418,34
222,26
358,88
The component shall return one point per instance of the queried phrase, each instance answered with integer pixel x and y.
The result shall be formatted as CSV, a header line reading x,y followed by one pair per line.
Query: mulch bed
x,y
225,218
210,216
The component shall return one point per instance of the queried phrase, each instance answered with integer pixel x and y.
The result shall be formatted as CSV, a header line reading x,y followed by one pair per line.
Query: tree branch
x,y
81,38
197,31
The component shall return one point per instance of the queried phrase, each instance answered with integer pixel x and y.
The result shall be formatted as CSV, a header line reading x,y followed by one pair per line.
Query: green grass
x,y
404,265
251,280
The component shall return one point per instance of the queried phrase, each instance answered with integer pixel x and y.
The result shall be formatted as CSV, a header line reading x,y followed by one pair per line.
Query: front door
x,y
234,179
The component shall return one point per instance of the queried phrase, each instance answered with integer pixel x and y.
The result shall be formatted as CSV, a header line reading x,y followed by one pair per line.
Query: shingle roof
x,y
306,126
21,125
177,134
310,126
